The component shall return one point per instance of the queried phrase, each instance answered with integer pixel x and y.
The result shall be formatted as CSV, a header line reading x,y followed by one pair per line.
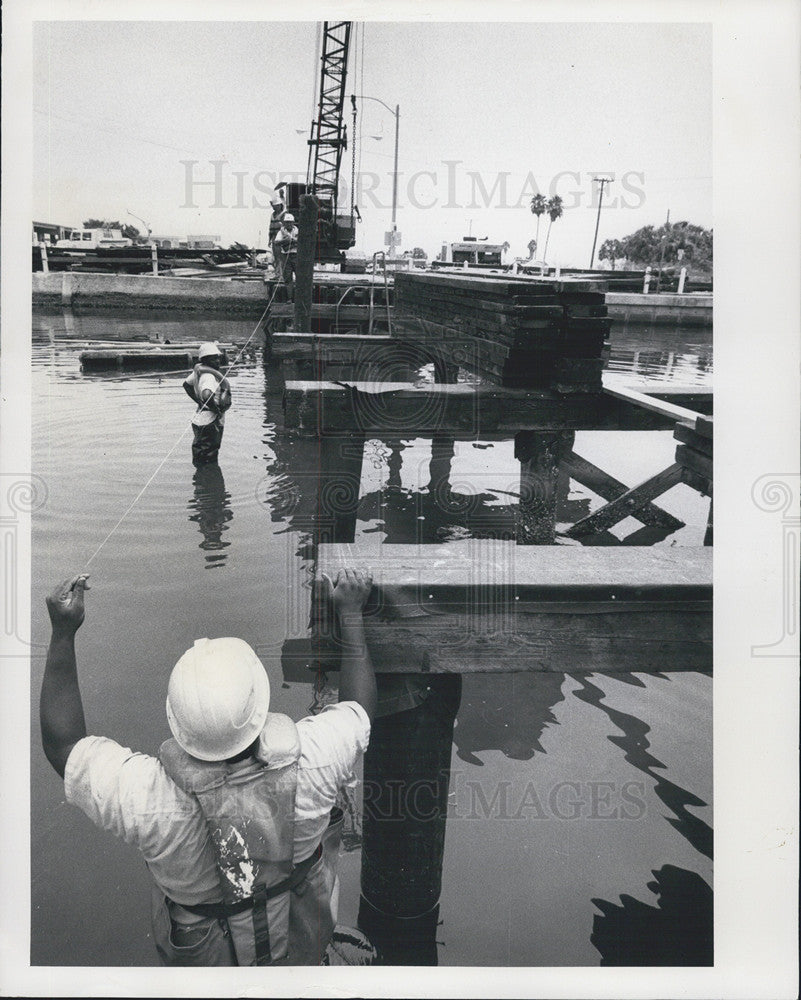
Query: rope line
x,y
181,436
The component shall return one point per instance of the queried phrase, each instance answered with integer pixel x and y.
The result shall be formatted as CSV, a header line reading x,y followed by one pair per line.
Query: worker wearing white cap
x,y
209,389
285,252
235,817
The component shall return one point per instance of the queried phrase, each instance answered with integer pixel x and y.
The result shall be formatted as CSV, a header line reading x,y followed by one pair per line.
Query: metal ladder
x,y
383,256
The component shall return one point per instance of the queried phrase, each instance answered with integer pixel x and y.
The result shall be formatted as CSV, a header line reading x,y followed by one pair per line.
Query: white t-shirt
x,y
287,241
204,415
130,794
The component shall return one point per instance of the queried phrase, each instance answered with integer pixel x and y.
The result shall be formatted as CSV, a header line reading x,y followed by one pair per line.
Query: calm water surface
x,y
597,845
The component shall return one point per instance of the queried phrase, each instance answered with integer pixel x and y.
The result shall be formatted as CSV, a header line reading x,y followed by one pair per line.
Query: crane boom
x,y
328,134
327,140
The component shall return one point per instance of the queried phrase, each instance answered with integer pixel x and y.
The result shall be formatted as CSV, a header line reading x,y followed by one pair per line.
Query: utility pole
x,y
662,253
601,181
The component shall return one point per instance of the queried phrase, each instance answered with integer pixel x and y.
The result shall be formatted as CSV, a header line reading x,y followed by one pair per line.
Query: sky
x,y
188,125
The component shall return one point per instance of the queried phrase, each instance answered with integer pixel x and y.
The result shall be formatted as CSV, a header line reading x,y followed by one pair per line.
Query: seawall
x,y
669,308
144,291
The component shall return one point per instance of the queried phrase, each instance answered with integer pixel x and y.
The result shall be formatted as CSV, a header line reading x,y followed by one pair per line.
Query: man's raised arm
x,y
60,706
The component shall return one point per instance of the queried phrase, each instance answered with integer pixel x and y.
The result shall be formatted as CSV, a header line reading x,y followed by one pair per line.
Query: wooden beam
x,y
626,504
467,411
609,488
689,436
651,403
491,606
697,461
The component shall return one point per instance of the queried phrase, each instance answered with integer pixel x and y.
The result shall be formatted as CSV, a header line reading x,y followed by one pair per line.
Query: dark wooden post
x,y
538,453
304,270
339,474
406,777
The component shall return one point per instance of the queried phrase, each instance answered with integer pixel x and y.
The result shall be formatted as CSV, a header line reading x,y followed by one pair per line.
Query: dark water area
x,y
579,824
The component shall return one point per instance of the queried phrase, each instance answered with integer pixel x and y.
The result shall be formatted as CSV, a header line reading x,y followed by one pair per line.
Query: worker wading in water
x,y
209,388
235,817
285,253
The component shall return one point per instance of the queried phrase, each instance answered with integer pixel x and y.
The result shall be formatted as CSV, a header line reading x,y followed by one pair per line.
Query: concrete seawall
x,y
143,291
137,291
693,309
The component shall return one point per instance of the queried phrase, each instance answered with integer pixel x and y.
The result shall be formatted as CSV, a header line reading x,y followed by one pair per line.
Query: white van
x,y
93,239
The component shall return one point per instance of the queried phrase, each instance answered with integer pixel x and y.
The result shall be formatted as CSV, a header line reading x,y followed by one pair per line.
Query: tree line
x,y
669,244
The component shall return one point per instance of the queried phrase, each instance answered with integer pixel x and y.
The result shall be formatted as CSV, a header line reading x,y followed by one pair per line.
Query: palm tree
x,y
539,206
554,209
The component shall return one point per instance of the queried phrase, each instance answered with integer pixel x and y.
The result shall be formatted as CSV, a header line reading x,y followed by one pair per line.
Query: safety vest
x,y
249,809
219,396
287,242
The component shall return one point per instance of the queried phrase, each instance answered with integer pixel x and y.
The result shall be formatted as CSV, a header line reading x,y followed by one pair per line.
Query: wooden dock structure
x,y
512,601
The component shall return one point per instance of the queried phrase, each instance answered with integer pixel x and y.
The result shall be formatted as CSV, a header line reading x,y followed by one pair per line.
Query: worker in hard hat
x,y
235,817
285,252
210,390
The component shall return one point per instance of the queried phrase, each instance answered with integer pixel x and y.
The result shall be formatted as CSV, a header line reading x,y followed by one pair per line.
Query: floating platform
x,y
169,357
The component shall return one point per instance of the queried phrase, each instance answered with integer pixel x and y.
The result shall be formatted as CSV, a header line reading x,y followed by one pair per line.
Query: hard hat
x,y
217,698
208,350
288,217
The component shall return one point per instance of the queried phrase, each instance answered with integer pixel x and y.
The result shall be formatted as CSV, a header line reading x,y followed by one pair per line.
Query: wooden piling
x,y
406,778
339,478
304,269
539,456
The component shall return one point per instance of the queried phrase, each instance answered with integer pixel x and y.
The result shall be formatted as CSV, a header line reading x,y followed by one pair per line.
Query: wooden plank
x,y
703,425
468,412
626,504
609,488
697,481
492,606
689,458
651,403
636,640
555,572
689,436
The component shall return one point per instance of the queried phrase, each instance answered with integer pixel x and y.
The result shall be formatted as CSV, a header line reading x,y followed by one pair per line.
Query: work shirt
x,y
286,242
204,415
130,794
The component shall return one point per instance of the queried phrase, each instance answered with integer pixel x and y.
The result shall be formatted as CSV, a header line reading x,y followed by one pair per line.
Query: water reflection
x,y
510,717
635,745
677,931
210,509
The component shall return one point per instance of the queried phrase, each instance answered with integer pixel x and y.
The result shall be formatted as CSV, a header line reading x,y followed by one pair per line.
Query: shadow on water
x,y
507,713
677,931
635,746
210,509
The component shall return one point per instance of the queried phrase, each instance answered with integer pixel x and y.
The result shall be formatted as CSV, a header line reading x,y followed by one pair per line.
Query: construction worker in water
x,y
235,816
285,253
210,389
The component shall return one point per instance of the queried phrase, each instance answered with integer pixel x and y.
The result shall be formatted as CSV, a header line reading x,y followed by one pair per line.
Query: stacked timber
x,y
516,332
694,453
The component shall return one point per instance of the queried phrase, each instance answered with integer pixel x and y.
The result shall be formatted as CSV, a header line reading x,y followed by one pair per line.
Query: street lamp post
x,y
396,113
601,181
